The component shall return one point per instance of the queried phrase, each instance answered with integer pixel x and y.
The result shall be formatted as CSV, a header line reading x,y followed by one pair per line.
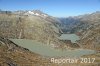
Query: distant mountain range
x,y
77,23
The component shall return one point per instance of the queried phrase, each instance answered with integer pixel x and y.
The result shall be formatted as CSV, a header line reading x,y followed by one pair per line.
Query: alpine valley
x,y
31,38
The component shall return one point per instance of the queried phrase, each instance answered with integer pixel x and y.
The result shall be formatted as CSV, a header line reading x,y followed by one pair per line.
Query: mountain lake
x,y
46,50
72,37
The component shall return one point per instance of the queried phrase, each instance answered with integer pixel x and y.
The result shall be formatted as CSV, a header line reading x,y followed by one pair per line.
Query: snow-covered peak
x,y
30,12
37,13
44,15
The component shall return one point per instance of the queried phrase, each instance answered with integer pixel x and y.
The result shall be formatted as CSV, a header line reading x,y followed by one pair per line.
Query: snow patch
x,y
44,15
37,14
30,12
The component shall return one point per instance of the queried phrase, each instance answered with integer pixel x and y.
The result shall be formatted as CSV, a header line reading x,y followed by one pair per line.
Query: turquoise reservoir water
x,y
72,37
45,50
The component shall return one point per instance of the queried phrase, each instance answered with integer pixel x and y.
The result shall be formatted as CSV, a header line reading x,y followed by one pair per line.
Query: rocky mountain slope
x,y
91,37
22,26
87,27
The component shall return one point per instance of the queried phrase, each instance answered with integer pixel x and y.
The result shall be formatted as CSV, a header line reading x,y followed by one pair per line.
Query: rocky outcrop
x,y
70,45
